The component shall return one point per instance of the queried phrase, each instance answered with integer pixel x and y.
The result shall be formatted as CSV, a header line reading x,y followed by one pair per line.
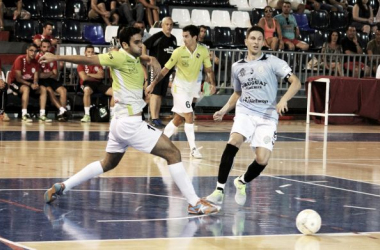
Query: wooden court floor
x,y
331,169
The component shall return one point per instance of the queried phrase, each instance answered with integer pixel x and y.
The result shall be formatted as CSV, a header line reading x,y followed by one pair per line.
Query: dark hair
x,y
361,5
286,2
254,28
126,34
47,23
121,27
192,29
31,45
202,27
330,35
46,41
89,47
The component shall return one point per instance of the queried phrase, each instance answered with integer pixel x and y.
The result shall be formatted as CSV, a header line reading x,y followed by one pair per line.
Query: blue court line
x,y
181,136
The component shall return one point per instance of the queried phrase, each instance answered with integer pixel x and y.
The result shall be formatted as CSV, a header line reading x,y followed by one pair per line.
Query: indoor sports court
x,y
333,170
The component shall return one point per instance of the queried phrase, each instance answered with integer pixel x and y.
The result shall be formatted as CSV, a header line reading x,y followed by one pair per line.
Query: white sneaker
x,y
196,154
216,197
240,196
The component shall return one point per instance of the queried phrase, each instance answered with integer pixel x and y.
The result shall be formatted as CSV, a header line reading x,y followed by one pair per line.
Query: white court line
x,y
365,208
15,244
140,220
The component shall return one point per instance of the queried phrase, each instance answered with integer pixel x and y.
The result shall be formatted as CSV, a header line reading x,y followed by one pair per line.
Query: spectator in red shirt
x,y
48,78
3,95
91,77
47,33
24,80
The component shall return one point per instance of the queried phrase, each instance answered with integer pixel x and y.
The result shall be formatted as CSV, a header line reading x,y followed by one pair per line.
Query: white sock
x,y
24,111
87,110
180,177
170,129
90,171
189,130
220,185
241,178
111,110
42,112
61,110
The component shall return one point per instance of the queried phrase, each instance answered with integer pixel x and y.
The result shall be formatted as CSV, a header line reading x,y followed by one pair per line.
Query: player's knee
x,y
262,159
108,165
173,155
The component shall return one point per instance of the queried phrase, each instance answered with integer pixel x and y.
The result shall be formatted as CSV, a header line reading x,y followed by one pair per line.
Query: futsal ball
x,y
308,222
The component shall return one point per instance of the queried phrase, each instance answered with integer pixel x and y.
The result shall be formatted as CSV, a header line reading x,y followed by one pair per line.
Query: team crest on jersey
x,y
252,71
185,64
96,68
241,72
110,55
33,70
261,69
198,55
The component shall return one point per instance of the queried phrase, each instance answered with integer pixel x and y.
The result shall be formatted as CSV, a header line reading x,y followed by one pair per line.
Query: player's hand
x,y
16,14
218,116
282,107
212,89
47,58
149,90
2,84
34,86
155,66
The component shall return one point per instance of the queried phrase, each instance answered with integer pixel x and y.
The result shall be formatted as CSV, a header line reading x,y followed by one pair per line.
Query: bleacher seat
x,y
221,18
319,19
76,9
53,9
257,14
257,4
71,31
111,31
241,19
179,2
25,29
94,34
239,37
202,3
338,20
32,7
241,5
302,22
208,36
363,39
220,3
305,36
320,37
200,17
181,16
222,37
164,11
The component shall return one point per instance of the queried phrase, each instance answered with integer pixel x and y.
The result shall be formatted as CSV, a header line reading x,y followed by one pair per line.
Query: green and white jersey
x,y
188,66
128,81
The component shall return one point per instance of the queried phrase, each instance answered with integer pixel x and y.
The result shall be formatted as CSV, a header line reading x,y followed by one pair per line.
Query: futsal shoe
x,y
202,207
157,123
216,197
240,196
196,153
52,193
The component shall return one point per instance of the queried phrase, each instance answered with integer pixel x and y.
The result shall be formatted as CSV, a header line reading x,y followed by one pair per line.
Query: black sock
x,y
253,171
221,189
193,106
226,162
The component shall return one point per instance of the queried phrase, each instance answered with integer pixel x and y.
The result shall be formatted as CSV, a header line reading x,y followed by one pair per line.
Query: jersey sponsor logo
x,y
185,63
185,56
253,83
169,50
248,99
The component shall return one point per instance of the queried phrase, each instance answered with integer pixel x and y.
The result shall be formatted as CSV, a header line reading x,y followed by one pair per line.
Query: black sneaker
x,y
63,117
157,123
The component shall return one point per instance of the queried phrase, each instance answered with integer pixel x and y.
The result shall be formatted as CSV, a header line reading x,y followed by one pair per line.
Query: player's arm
x,y
45,75
49,57
218,116
152,62
98,75
19,78
211,78
158,78
295,85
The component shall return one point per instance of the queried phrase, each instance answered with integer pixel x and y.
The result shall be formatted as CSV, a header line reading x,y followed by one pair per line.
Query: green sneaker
x,y
240,196
86,118
43,118
27,118
216,197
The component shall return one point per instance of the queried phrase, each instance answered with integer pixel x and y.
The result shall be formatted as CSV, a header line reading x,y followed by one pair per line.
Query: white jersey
x,y
257,80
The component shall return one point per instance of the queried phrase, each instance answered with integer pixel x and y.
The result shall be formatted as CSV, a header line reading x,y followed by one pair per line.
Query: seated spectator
x,y
12,8
128,15
351,46
47,33
207,43
332,46
289,29
297,6
3,96
141,25
270,27
48,78
151,11
319,5
341,5
90,79
24,80
104,9
373,48
362,16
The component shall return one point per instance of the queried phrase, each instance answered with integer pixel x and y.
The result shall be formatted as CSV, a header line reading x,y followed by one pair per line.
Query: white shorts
x,y
131,131
182,102
197,90
259,132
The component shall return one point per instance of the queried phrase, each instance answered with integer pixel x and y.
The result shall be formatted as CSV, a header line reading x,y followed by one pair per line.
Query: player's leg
x,y
172,127
87,92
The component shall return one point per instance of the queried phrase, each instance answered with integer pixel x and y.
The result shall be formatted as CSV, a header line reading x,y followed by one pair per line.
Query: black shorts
x,y
162,86
97,87
49,82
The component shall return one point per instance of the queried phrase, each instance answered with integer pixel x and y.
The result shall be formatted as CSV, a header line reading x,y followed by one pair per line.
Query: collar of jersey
x,y
190,51
257,59
125,52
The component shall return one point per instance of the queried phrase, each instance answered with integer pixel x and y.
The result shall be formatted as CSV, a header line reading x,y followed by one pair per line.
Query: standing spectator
x,y
90,79
362,16
160,45
24,76
289,29
151,11
47,33
103,9
332,46
373,48
3,96
12,8
129,15
141,25
48,78
351,46
270,27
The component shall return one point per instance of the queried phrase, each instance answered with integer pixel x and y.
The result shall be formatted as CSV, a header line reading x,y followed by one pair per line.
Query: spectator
x,y
12,8
373,48
48,78
141,25
151,11
208,44
270,27
319,5
47,33
160,45
129,15
341,5
297,6
104,9
24,81
351,46
332,46
3,96
90,79
289,29
362,16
